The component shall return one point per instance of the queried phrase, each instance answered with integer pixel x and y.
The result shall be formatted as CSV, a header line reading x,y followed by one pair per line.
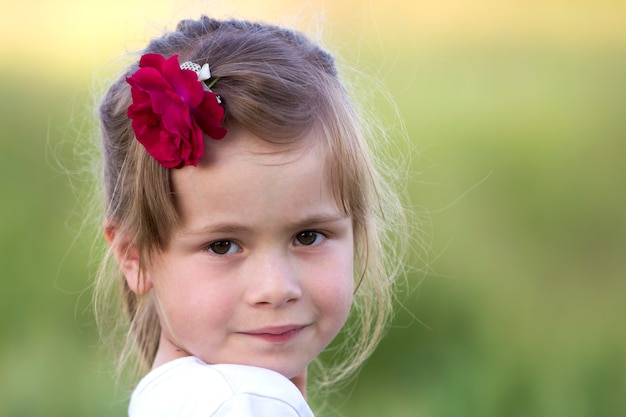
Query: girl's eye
x,y
309,238
223,247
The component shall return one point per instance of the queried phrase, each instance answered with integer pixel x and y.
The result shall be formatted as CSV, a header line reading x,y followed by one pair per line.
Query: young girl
x,y
245,219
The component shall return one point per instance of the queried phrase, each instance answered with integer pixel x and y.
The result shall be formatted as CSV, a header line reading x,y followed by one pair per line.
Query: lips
x,y
276,334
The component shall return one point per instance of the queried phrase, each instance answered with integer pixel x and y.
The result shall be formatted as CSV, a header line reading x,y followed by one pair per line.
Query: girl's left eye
x,y
309,238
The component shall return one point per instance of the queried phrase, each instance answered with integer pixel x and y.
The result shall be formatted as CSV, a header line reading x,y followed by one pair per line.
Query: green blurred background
x,y
516,113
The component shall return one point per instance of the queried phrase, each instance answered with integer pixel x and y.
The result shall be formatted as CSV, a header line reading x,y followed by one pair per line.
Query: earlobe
x,y
127,257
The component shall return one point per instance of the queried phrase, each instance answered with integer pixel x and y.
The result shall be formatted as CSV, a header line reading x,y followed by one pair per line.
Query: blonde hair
x,y
280,86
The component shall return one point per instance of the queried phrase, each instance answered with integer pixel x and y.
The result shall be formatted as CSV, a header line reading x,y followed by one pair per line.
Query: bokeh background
x,y
516,117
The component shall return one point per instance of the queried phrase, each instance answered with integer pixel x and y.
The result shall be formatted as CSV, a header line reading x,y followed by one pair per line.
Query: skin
x,y
260,271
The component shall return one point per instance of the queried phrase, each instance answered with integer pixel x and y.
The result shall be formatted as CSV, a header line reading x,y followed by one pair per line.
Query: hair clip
x,y
172,108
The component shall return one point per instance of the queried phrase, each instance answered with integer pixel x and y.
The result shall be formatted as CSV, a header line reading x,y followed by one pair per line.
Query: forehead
x,y
243,175
242,144
242,150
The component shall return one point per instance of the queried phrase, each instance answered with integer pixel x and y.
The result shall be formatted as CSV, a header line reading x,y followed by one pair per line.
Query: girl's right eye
x,y
223,247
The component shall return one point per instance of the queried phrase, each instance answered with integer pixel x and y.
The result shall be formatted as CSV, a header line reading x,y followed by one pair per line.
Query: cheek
x,y
335,291
190,295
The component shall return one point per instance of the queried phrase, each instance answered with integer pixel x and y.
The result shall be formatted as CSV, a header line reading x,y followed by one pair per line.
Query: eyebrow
x,y
237,228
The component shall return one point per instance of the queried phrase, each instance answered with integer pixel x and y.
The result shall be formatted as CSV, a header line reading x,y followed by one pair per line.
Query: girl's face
x,y
260,272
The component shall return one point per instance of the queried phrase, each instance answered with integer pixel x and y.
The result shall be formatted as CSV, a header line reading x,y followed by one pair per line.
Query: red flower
x,y
171,108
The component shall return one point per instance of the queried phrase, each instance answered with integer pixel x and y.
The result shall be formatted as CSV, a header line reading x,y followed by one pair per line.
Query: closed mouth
x,y
276,333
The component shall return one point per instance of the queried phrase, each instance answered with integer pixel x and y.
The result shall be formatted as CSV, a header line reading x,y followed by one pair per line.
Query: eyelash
x,y
217,247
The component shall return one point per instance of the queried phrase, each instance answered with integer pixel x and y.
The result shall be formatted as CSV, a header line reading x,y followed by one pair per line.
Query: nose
x,y
274,280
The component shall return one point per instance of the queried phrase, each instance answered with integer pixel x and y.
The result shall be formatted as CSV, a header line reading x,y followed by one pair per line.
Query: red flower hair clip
x,y
172,108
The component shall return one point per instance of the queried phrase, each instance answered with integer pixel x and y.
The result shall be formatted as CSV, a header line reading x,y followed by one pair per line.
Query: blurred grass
x,y
521,170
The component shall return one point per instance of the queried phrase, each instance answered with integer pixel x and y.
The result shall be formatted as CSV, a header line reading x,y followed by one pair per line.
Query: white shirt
x,y
188,387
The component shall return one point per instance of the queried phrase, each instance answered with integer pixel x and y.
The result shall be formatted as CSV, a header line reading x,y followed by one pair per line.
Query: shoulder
x,y
190,387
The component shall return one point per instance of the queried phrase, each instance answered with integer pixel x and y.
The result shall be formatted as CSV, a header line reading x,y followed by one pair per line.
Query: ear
x,y
127,257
